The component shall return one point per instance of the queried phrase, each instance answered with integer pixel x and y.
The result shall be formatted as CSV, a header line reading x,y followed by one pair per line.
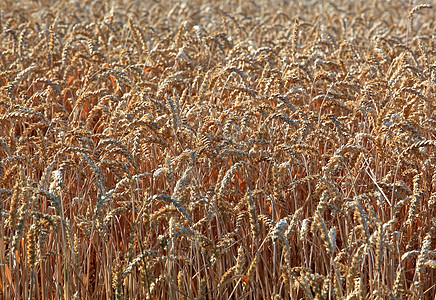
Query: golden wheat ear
x,y
217,149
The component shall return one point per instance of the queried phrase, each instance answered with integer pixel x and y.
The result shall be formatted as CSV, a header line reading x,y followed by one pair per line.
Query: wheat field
x,y
217,149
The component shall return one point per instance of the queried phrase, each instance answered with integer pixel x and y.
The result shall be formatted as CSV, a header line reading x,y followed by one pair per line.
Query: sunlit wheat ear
x,y
353,271
398,288
227,275
417,9
422,259
31,245
23,215
180,190
252,268
295,33
416,198
240,261
304,230
13,210
254,220
305,284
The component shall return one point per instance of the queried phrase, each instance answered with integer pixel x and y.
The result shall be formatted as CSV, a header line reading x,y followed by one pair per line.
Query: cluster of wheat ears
x,y
205,150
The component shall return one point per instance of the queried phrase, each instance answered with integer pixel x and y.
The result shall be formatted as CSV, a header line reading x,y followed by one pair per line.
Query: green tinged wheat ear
x,y
202,290
180,282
